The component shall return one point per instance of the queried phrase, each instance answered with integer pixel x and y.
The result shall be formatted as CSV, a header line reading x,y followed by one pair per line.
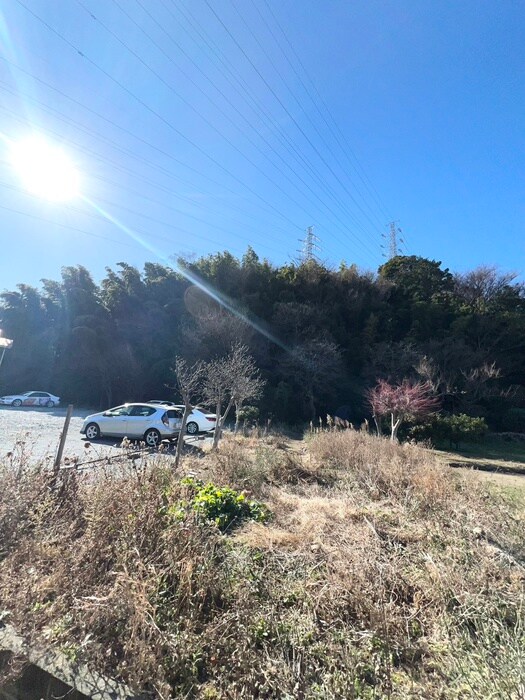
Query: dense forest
x,y
320,336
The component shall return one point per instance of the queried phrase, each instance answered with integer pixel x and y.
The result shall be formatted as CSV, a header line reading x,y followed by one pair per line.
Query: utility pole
x,y
310,246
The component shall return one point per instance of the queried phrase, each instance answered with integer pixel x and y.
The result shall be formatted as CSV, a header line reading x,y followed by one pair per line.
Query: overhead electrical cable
x,y
156,236
241,87
282,134
287,111
157,114
331,123
209,123
66,226
151,183
299,103
113,144
250,125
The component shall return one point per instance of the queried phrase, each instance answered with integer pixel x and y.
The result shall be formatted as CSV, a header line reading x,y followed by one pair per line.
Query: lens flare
x,y
45,170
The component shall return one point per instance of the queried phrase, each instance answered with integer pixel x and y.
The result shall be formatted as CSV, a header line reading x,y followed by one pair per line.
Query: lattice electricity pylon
x,y
310,247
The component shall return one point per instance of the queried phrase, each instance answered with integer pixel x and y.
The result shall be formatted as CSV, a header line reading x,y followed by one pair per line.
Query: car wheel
x,y
192,428
152,437
50,404
92,431
17,403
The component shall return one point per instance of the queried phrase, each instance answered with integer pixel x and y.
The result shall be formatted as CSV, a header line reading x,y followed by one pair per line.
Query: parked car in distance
x,y
198,420
136,421
31,398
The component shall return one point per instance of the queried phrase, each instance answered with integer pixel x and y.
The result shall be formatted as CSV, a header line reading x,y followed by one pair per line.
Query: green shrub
x,y
455,428
221,505
248,414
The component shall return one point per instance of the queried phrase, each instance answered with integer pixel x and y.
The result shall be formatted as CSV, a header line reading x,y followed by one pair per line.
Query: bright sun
x,y
45,170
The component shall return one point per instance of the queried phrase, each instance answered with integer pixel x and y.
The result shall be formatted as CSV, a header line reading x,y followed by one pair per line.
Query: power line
x,y
91,131
153,111
343,141
113,145
136,193
139,138
150,109
100,217
288,143
206,120
287,111
66,226
109,141
243,117
293,94
251,99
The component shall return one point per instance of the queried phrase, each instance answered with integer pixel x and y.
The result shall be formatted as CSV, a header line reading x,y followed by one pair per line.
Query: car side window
x,y
119,411
142,411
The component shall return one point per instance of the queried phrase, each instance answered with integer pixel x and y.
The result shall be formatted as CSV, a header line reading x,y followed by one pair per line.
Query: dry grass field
x,y
341,566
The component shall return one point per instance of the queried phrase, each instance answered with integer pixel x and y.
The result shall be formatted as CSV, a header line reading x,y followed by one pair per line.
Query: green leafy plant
x,y
456,429
224,506
248,414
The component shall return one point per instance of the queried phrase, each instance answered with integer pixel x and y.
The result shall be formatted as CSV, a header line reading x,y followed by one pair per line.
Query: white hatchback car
x,y
137,421
31,398
198,421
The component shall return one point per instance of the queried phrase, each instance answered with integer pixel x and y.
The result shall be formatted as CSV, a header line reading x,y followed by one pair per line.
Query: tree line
x,y
320,337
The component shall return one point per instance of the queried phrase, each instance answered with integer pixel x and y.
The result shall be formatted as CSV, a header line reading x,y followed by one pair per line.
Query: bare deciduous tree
x,y
189,379
479,287
230,381
247,382
316,368
400,401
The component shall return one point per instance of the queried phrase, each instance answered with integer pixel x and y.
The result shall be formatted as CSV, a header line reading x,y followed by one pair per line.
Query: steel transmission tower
x,y
310,246
393,241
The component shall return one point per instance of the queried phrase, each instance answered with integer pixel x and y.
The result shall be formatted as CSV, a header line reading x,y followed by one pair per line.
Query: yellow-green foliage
x,y
223,506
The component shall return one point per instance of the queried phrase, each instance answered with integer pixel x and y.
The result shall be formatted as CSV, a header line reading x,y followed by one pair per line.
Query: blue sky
x,y
200,126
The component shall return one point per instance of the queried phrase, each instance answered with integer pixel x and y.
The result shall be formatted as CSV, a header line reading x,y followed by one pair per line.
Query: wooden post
x,y
58,458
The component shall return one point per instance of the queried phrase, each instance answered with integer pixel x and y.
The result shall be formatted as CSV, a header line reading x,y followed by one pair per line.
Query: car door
x,y
32,398
43,398
174,418
114,421
140,419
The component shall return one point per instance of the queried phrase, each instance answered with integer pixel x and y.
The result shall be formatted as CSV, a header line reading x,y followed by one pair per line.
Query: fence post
x,y
58,458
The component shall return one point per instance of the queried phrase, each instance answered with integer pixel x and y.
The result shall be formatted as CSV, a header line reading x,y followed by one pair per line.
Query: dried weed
x,y
380,575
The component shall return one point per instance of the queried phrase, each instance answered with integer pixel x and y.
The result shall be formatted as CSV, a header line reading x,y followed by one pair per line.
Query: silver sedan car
x,y
31,398
136,421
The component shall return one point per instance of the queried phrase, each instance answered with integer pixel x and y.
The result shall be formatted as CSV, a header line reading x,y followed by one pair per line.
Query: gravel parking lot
x,y
38,431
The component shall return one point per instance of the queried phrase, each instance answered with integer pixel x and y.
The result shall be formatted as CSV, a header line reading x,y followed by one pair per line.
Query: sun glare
x,y
45,170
